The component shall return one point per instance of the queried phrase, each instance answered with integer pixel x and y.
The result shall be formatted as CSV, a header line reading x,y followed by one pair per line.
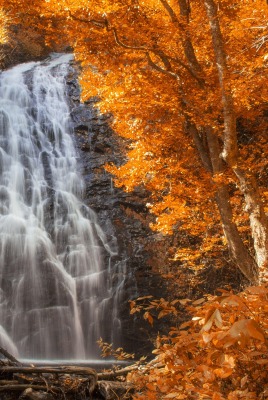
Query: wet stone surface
x,y
123,216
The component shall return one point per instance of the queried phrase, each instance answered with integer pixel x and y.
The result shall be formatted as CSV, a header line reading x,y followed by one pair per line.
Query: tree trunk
x,y
230,137
237,250
247,183
258,219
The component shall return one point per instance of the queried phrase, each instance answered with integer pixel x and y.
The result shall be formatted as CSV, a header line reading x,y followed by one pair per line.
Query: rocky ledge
x,y
123,216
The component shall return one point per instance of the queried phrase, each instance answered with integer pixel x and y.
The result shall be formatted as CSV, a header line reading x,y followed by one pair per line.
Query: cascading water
x,y
56,294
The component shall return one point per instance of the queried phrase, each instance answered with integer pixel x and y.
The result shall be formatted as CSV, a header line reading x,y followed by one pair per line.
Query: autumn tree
x,y
178,77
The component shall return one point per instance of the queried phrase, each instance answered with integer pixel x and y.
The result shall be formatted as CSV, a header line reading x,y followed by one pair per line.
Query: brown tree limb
x,y
120,372
257,217
21,387
202,151
237,249
51,370
4,382
158,52
9,356
247,182
188,49
200,80
230,149
171,13
162,70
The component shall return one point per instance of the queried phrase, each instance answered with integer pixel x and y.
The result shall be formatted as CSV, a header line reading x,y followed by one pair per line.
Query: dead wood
x,y
51,370
120,372
9,356
45,380
112,390
21,387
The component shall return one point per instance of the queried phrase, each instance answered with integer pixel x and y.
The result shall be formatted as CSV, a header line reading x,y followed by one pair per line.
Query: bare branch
x,y
171,12
201,81
158,52
9,356
159,69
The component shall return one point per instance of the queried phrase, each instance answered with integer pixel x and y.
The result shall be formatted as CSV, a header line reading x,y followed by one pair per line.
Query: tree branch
x,y
203,154
171,13
162,70
9,356
158,52
201,81
230,147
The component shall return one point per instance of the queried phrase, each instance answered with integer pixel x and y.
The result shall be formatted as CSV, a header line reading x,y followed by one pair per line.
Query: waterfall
x,y
56,294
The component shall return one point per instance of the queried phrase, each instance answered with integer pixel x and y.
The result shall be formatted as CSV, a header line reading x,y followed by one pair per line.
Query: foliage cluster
x,y
178,76
221,353
3,26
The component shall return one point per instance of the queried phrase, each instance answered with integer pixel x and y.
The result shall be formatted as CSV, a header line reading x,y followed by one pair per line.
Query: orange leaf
x,y
148,316
213,315
223,372
199,301
246,328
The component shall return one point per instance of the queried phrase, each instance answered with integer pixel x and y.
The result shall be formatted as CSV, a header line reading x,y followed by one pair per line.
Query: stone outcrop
x,y
123,216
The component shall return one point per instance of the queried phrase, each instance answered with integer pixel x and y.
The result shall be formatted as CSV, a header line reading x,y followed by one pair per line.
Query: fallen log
x,y
21,387
51,370
61,380
5,382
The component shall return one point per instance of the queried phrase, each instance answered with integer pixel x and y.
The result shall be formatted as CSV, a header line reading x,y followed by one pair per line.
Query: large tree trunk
x,y
247,183
213,161
237,250
258,219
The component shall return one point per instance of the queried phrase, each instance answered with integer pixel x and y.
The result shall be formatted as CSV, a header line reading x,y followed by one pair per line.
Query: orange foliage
x,y
136,56
221,353
3,26
152,64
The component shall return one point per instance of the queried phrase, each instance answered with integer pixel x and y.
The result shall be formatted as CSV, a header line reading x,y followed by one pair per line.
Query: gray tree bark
x,y
247,182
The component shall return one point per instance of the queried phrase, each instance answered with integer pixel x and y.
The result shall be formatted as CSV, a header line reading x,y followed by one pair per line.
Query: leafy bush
x,y
221,353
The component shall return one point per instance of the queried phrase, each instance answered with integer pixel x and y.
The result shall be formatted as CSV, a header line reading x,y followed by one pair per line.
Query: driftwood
x,y
6,382
9,356
47,383
119,372
89,372
61,382
21,387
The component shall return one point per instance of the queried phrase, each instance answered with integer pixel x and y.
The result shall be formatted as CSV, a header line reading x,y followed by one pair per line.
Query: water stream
x,y
56,293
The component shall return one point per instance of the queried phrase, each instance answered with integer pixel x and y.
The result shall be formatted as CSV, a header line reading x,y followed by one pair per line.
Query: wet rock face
x,y
122,216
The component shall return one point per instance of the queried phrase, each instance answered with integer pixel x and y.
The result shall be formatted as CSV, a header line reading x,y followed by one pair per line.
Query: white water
x,y
55,292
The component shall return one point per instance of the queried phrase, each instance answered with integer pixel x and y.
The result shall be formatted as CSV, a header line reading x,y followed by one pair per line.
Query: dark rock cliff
x,y
123,216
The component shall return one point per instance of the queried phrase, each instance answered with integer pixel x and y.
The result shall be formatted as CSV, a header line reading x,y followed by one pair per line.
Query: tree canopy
x,y
186,84
179,77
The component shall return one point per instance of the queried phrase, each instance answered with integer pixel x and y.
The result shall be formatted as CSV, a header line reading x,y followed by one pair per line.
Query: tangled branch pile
x,y
28,382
